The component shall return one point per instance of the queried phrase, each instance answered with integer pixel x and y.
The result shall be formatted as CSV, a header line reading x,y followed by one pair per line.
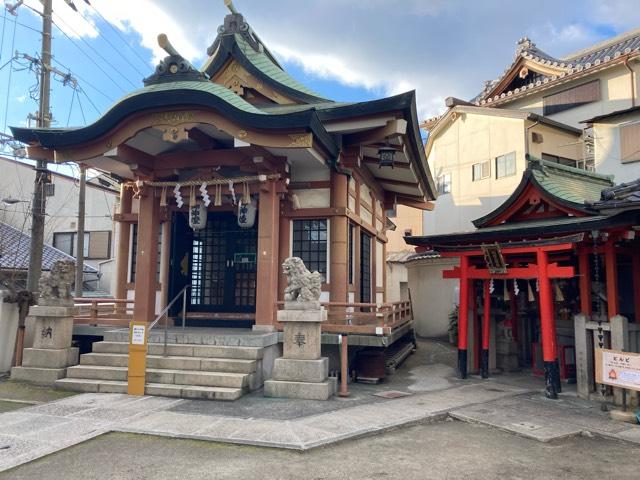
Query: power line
x,y
91,48
85,82
6,108
118,34
89,100
73,96
81,110
91,59
4,21
111,44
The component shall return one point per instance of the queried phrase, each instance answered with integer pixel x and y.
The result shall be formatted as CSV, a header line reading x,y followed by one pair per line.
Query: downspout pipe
x,y
631,80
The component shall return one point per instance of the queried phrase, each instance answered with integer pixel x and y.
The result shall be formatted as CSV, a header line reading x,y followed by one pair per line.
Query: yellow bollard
x,y
137,358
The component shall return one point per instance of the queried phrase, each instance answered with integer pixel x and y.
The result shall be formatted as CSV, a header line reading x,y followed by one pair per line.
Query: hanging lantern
x,y
198,216
386,156
247,214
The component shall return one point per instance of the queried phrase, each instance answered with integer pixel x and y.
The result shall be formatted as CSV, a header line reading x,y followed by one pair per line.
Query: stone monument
x,y
301,372
52,317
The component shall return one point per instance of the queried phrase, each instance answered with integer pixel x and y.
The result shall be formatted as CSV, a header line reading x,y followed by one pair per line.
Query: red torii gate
x,y
543,271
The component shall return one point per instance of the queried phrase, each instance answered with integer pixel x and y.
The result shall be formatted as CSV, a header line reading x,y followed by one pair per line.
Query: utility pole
x,y
80,234
42,174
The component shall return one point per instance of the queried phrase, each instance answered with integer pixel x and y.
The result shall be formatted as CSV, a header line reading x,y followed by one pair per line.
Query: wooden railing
x,y
103,311
364,318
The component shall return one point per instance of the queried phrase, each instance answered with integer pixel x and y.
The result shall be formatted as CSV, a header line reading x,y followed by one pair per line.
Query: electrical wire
x,y
6,108
112,45
85,82
91,48
91,59
119,34
89,100
73,96
4,22
81,110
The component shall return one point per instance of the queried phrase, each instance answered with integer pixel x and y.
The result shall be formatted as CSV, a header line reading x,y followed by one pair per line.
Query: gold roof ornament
x,y
229,4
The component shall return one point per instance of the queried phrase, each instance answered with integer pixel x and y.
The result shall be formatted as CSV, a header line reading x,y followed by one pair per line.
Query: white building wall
x,y
607,149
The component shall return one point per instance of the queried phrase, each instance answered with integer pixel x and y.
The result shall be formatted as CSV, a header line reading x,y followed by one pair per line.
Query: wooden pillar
x,y
146,258
145,289
339,231
284,250
463,317
122,244
374,253
268,267
513,306
611,266
585,283
547,328
635,271
486,329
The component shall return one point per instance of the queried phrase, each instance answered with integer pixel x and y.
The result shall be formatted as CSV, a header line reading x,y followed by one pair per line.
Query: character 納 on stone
x,y
303,289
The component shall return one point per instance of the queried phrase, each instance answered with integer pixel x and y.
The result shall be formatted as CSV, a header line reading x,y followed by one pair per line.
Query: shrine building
x,y
230,168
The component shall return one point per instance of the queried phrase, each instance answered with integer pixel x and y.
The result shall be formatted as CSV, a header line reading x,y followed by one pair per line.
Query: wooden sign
x,y
494,259
617,368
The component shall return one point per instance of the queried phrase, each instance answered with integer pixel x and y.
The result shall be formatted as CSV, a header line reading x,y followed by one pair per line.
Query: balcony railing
x,y
111,312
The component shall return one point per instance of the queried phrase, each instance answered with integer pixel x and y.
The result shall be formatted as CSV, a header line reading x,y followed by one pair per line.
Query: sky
x,y
347,50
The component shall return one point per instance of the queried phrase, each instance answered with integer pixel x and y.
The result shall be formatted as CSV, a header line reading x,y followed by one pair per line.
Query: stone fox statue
x,y
304,286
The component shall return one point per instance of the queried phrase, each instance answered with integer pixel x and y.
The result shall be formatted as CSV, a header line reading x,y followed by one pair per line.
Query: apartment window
x,y
444,183
561,160
481,170
134,251
506,165
310,244
630,142
97,245
571,98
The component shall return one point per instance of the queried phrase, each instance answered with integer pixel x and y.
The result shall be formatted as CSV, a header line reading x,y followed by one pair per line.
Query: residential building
x,y
62,193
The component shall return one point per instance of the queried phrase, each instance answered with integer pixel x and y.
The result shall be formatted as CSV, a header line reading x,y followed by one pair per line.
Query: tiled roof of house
x,y
582,62
14,251
623,196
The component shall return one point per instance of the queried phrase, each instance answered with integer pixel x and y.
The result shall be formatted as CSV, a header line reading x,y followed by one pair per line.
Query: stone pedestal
x,y
52,353
301,372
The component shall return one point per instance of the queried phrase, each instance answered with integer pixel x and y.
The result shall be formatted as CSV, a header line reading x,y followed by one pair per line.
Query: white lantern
x,y
247,214
198,216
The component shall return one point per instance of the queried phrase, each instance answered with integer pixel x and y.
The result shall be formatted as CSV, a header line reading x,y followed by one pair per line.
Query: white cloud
x,y
438,47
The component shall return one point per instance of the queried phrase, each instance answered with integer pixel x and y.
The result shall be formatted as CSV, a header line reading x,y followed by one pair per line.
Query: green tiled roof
x,y
208,87
263,63
567,183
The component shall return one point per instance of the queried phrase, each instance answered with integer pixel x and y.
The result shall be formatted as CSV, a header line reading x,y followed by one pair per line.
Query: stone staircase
x,y
194,371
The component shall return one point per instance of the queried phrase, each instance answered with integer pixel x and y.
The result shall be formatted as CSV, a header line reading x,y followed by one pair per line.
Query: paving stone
x,y
33,422
170,422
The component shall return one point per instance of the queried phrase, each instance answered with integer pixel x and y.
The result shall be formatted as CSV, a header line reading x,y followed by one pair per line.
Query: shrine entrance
x,y
219,262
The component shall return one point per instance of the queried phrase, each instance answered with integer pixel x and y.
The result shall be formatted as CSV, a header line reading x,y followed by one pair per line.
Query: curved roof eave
x,y
176,97
228,47
527,178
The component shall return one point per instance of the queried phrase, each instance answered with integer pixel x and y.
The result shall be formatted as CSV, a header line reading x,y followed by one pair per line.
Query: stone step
x,y
231,365
185,350
158,389
231,337
173,377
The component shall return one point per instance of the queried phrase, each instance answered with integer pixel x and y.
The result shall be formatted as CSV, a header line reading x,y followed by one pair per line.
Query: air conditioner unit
x,y
536,137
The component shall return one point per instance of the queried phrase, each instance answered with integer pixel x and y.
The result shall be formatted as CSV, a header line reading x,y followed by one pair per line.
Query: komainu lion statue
x,y
304,286
55,286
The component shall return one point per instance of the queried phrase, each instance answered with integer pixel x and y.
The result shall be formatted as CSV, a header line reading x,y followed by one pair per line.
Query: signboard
x,y
618,369
244,258
494,259
137,335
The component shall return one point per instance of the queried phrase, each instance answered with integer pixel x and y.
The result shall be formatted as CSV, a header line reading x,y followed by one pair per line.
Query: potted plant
x,y
453,325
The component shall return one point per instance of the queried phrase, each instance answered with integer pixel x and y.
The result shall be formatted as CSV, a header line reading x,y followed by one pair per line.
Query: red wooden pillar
x,y
585,283
611,266
635,263
486,329
267,261
547,328
146,257
463,317
122,243
513,304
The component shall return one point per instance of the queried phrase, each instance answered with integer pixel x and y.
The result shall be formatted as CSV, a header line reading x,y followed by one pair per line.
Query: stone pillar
x,y
52,321
584,356
620,341
267,257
